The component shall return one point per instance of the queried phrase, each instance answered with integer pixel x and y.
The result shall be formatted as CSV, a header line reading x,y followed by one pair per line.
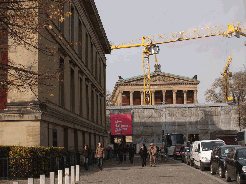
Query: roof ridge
x,y
136,76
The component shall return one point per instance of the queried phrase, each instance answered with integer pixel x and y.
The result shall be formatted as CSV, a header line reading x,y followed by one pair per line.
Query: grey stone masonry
x,y
207,120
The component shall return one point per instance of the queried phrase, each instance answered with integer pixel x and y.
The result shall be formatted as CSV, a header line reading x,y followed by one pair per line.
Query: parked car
x,y
177,151
236,165
201,152
218,157
184,154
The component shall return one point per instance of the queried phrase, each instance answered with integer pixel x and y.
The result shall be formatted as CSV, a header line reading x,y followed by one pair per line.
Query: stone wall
x,y
207,120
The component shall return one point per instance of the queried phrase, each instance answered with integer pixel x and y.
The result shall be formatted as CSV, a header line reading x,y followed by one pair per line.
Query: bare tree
x,y
22,23
108,98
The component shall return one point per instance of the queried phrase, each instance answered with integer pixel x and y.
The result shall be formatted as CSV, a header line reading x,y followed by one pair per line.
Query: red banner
x,y
121,124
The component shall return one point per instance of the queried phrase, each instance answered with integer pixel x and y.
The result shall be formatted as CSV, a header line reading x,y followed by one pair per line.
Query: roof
x,y
154,73
97,24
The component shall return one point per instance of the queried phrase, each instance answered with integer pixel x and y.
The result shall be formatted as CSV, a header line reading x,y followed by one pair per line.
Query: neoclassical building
x,y
173,89
73,113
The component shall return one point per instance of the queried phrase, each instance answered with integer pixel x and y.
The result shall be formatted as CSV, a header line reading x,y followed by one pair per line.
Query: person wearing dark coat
x,y
121,153
143,153
125,152
86,152
131,153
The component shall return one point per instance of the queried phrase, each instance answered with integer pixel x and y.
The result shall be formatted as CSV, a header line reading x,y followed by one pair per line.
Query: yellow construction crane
x,y
150,45
226,74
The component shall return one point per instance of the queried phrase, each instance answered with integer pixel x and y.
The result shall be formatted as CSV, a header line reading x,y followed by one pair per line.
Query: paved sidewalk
x,y
166,172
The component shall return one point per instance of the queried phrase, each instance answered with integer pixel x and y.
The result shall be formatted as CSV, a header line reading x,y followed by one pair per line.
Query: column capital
x,y
195,90
185,91
120,91
174,91
131,91
164,91
142,92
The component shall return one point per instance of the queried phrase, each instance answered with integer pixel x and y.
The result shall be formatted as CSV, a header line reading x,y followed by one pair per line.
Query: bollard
x,y
59,176
42,179
30,180
72,175
77,172
52,177
66,175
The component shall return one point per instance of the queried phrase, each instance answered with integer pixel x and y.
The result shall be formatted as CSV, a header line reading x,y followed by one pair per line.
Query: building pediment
x,y
160,78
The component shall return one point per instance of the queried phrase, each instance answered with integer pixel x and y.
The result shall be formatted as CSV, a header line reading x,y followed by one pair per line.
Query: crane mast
x,y
225,75
150,45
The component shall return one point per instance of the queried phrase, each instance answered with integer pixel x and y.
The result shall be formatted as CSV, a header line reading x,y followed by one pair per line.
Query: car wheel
x,y
221,172
227,176
201,166
238,179
212,169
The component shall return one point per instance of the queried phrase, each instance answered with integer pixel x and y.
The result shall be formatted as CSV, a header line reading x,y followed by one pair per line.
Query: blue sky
x,y
206,57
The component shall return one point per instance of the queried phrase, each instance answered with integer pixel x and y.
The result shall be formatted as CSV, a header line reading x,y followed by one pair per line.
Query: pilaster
x,y
76,82
185,96
89,91
84,109
131,97
174,96
195,96
120,98
142,97
153,97
164,95
67,73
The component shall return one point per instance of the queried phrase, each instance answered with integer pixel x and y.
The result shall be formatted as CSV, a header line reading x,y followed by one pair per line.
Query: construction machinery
x,y
226,74
150,45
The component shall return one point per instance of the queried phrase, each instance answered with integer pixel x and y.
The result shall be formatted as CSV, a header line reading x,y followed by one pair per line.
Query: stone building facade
x,y
173,89
74,112
206,121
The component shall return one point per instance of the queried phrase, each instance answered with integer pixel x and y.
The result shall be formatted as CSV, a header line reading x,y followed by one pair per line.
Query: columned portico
x,y
174,96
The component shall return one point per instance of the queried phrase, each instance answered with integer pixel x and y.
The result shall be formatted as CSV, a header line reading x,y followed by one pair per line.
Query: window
x,y
54,138
86,49
72,92
81,96
80,40
92,105
72,26
61,83
87,100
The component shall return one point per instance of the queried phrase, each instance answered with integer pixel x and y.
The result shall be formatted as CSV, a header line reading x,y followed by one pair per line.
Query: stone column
x,y
131,97
185,96
120,98
153,97
89,91
195,96
174,96
164,94
142,97
84,108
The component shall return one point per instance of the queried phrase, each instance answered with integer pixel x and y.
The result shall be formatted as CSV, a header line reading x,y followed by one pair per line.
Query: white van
x,y
201,152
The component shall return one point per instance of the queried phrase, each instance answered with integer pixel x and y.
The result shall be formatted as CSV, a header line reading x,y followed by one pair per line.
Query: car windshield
x,y
242,154
225,151
210,145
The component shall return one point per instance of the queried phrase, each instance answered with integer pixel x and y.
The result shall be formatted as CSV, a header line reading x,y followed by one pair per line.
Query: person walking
x,y
100,155
143,155
86,152
121,153
125,152
152,153
131,153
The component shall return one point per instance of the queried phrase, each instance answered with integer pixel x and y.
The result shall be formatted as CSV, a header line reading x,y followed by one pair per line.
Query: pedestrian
x,y
152,153
125,152
86,152
100,155
121,153
116,152
131,153
143,155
